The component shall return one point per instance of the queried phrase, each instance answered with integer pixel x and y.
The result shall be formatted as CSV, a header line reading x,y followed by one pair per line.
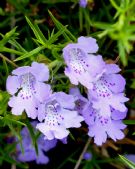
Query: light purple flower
x,y
82,65
29,150
58,115
101,125
83,3
108,91
27,87
80,101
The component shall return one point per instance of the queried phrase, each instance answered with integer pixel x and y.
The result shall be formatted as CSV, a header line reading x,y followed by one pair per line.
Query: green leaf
x,y
103,25
127,162
67,34
17,45
4,97
9,50
40,33
15,133
31,53
8,36
133,84
2,12
5,22
54,37
122,52
129,71
37,32
11,119
115,5
81,18
129,122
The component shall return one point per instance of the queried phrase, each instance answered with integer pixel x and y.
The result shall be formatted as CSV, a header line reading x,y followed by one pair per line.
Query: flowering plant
x,y
67,87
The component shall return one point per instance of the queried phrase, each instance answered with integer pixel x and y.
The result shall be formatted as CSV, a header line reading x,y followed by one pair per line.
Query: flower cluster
x,y
29,150
55,111
104,109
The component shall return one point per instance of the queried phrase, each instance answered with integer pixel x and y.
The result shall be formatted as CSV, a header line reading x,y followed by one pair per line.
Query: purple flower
x,y
102,125
82,65
27,88
106,108
87,156
83,3
107,91
80,101
58,115
29,151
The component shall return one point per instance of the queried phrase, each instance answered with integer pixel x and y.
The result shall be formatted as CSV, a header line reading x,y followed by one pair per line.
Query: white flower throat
x,y
77,61
53,116
102,87
27,82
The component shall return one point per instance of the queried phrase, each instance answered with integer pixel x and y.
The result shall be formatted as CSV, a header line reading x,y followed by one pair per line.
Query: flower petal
x,y
40,71
96,66
103,105
117,102
41,114
117,115
12,84
45,130
116,82
21,70
41,158
112,68
71,76
31,110
66,100
27,156
89,114
60,132
88,44
114,130
71,119
43,91
46,145
99,135
14,102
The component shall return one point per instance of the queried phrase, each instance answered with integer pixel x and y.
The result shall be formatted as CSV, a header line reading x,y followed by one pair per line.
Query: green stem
x,y
8,60
53,64
81,156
